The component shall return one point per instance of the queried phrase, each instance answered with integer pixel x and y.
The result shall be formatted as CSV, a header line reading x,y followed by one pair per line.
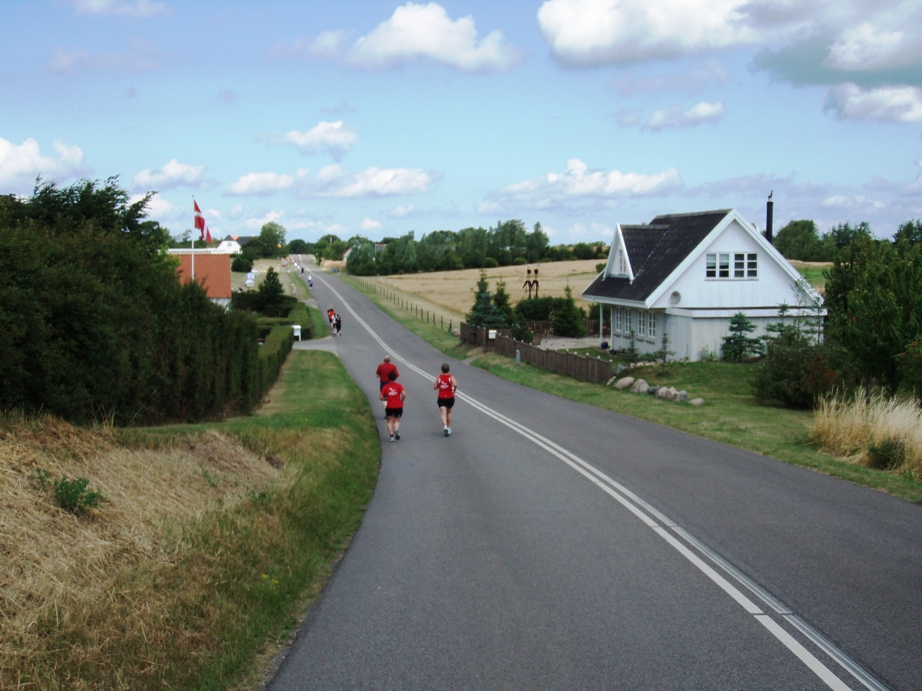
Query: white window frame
x,y
628,327
651,325
622,263
641,323
734,266
618,321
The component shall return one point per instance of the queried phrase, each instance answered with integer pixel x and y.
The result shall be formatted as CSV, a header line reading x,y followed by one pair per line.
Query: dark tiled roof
x,y
655,250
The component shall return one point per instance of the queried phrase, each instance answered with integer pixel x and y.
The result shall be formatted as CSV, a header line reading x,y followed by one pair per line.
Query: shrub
x,y
796,372
888,454
490,263
74,495
241,264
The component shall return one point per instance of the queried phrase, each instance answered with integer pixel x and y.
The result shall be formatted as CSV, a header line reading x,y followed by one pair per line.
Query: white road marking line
x,y
641,509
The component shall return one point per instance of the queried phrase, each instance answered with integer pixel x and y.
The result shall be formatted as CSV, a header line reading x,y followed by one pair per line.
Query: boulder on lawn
x,y
663,393
640,386
682,396
624,383
697,401
652,391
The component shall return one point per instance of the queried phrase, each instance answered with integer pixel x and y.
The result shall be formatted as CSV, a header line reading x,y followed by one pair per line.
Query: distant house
x,y
212,272
232,244
687,275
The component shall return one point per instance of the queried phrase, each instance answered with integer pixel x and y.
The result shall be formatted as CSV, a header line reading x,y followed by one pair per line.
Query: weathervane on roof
x,y
531,283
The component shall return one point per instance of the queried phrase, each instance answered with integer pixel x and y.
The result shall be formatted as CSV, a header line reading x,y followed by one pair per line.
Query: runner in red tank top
x,y
393,396
446,385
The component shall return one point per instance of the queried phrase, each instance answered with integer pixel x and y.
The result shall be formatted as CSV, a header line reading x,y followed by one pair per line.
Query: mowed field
x,y
450,294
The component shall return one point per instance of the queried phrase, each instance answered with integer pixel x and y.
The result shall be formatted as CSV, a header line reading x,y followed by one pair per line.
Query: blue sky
x,y
377,118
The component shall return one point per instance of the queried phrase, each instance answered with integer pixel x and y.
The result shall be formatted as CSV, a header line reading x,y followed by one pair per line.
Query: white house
x,y
687,275
232,244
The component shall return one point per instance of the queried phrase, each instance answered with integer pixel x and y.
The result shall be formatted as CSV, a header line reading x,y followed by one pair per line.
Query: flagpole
x,y
193,241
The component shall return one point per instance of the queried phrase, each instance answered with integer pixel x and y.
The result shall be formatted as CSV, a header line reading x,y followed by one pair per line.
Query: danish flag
x,y
200,223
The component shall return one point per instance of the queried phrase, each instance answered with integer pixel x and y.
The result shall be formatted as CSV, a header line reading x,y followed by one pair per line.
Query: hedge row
x,y
94,324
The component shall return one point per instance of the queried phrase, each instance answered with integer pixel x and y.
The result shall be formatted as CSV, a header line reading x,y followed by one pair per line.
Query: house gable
x,y
767,279
654,252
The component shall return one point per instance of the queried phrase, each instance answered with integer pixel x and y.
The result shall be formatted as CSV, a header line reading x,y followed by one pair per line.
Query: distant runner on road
x,y
446,385
393,396
384,369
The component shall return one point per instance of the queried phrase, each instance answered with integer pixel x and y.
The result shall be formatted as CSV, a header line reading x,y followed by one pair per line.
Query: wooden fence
x,y
586,368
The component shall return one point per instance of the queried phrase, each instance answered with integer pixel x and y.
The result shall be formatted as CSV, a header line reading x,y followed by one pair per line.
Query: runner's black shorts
x,y
446,402
393,412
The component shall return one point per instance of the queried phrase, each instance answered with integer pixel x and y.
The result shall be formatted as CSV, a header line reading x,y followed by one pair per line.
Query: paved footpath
x,y
552,545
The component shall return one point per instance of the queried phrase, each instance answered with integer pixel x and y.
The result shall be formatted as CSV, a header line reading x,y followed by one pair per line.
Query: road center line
x,y
654,519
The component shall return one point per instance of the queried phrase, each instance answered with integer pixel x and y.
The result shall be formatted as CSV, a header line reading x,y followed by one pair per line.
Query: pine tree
x,y
568,318
663,354
484,312
738,345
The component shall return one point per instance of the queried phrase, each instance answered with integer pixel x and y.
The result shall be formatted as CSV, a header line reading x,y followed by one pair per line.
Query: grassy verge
x,y
318,320
440,338
730,415
212,541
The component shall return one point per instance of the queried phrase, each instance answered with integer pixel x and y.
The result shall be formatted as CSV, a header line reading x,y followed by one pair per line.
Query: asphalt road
x,y
552,545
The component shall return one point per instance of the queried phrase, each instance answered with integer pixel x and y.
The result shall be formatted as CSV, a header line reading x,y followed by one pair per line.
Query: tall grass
x,y
883,433
212,540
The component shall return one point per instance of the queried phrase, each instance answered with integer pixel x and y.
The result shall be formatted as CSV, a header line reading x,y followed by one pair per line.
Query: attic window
x,y
622,263
745,265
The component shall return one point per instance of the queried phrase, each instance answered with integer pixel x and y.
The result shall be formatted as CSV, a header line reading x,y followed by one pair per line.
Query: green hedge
x,y
94,324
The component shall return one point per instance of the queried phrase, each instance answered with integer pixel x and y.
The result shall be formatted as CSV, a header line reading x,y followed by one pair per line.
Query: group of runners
x,y
336,322
393,395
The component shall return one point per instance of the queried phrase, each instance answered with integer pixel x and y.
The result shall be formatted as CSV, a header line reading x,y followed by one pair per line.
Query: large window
x,y
628,327
641,323
651,325
745,265
617,319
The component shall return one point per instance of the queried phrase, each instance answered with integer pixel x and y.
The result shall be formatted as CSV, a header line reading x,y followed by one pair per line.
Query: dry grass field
x,y
450,294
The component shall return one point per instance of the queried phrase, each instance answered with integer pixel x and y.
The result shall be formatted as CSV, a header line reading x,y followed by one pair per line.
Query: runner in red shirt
x,y
393,396
446,385
384,369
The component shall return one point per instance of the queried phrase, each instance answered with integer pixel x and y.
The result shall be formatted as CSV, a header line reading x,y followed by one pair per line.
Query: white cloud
x,y
676,117
271,216
328,44
172,174
370,224
20,164
710,72
334,138
138,8
140,59
427,32
867,47
598,32
334,181
402,211
851,202
157,207
578,183
264,183
888,104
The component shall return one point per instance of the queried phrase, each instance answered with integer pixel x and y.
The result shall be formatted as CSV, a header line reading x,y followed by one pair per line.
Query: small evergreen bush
x,y
74,495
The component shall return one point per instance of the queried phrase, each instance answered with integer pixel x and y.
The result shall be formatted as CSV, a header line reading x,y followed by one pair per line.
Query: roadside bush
x,y
96,325
796,371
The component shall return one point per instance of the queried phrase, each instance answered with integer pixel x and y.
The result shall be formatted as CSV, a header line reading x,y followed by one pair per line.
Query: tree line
x,y
802,240
505,244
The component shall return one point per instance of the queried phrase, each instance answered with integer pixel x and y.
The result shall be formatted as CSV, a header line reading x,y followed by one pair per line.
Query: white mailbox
x,y
297,329
491,334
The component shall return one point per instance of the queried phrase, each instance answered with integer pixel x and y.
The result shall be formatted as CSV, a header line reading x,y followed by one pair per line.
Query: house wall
x,y
772,287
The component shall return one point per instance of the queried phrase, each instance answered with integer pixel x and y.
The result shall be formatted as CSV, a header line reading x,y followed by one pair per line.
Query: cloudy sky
x,y
376,118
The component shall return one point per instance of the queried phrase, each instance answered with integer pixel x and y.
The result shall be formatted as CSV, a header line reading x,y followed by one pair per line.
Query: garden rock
x,y
624,383
682,396
640,386
697,401
652,390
